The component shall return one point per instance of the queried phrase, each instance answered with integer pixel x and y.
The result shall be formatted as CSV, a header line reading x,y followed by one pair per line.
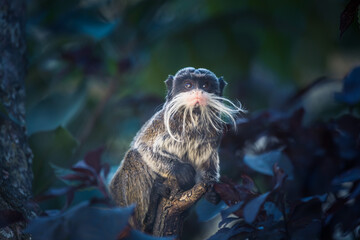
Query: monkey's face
x,y
195,97
196,89
194,82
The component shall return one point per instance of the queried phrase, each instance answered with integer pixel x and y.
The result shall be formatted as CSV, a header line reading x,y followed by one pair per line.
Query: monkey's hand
x,y
185,175
161,189
211,195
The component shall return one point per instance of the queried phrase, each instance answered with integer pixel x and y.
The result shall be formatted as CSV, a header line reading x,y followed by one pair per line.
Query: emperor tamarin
x,y
180,141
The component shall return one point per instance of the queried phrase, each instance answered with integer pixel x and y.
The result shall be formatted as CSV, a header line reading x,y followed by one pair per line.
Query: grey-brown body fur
x,y
153,153
174,145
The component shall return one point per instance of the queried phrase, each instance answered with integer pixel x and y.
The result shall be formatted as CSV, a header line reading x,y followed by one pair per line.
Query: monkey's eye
x,y
205,86
188,85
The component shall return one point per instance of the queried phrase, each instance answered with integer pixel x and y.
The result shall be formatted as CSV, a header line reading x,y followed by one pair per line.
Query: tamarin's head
x,y
198,92
195,82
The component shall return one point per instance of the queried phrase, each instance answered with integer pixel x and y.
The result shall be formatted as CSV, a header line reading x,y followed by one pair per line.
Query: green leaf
x,y
50,148
54,111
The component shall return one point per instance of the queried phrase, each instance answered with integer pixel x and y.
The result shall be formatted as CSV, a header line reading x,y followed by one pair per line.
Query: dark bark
x,y
15,154
172,211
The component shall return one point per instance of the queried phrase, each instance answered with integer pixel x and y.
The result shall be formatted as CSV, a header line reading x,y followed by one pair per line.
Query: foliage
x,y
310,182
96,71
322,198
96,218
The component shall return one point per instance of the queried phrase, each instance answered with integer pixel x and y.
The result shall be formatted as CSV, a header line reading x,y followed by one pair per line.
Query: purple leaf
x,y
75,177
93,158
252,208
227,192
83,167
280,177
247,182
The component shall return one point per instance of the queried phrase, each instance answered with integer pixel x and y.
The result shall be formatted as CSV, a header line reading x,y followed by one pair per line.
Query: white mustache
x,y
217,112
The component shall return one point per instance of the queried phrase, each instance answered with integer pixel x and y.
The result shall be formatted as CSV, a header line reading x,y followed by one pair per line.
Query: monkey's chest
x,y
191,150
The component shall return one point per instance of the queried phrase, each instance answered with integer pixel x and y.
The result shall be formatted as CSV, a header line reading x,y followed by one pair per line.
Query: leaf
x,y
348,15
252,208
207,211
98,223
350,93
232,193
226,212
54,111
280,177
322,198
355,192
93,158
44,228
223,223
228,233
264,163
8,217
83,167
348,176
82,222
247,182
227,193
272,210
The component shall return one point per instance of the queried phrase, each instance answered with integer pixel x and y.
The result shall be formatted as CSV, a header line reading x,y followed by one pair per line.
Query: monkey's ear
x,y
169,84
222,84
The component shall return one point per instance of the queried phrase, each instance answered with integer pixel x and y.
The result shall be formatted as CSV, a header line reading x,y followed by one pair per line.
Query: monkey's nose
x,y
197,92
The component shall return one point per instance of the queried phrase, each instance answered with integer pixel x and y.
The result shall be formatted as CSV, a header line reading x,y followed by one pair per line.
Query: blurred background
x,y
96,68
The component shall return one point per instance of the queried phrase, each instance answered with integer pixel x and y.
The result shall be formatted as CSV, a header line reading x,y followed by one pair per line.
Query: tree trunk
x,y
15,154
171,212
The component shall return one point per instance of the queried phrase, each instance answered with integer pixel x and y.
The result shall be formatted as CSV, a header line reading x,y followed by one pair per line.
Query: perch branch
x,y
172,211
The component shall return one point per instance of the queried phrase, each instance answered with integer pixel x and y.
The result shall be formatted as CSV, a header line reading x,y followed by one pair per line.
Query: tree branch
x,y
171,212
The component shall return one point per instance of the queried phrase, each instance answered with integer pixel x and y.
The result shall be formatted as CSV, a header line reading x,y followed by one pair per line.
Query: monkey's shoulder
x,y
132,160
150,130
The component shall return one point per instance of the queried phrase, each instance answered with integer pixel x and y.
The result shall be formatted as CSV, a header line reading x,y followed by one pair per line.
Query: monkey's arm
x,y
211,175
169,166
